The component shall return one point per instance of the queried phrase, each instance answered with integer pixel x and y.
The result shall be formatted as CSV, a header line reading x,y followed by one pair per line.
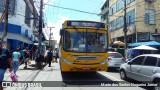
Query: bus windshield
x,y
85,42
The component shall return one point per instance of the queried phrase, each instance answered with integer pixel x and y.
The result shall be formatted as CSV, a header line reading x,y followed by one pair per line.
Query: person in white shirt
x,y
54,55
16,59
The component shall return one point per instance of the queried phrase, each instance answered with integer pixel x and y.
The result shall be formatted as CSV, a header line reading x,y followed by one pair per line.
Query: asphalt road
x,y
51,78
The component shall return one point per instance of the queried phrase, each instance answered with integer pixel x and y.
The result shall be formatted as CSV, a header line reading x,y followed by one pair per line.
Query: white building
x,y
20,24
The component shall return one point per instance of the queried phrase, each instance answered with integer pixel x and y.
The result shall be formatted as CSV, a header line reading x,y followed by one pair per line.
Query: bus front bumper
x,y
82,67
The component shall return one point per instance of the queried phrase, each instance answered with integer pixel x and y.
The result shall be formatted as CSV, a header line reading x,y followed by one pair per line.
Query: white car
x,y
142,68
115,59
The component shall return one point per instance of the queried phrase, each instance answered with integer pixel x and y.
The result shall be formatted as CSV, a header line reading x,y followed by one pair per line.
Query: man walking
x,y
49,56
16,60
5,62
26,54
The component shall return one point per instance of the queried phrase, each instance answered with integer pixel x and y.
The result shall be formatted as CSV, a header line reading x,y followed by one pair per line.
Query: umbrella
x,y
144,47
120,43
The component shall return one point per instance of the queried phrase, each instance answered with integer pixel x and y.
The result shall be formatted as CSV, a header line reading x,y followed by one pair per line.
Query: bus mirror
x,y
62,32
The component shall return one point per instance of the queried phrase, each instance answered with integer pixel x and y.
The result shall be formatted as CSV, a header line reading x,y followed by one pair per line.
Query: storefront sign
x,y
143,36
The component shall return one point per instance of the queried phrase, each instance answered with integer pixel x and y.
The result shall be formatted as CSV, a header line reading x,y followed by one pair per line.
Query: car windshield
x,y
85,42
115,55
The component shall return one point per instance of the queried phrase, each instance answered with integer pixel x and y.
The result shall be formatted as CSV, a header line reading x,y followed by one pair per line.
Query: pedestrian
x,y
22,56
54,55
49,56
11,51
26,56
16,60
5,62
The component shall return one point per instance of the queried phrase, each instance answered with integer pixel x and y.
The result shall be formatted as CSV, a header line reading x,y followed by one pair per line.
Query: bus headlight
x,y
104,61
67,61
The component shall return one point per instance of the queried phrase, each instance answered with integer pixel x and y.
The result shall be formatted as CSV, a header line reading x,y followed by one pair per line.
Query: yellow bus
x,y
83,46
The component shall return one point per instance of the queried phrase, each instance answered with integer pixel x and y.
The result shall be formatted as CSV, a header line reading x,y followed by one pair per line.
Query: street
x,y
51,78
87,35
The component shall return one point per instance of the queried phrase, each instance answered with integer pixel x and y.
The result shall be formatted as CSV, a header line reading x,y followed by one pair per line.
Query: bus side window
x,y
67,40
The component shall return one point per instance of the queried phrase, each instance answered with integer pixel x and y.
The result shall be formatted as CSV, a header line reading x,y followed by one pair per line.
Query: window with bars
x,y
149,16
12,5
119,22
27,16
112,9
130,17
120,5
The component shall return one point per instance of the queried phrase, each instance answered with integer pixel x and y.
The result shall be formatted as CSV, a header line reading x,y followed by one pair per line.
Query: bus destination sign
x,y
86,24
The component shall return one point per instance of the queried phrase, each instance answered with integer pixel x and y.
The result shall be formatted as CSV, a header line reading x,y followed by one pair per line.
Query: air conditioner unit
x,y
156,31
149,0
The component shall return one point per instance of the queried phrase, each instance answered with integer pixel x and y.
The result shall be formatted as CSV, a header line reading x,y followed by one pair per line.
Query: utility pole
x,y
125,29
39,64
2,17
50,36
6,21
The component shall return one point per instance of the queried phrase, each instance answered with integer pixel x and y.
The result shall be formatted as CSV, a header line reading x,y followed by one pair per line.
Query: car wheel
x,y
123,75
157,81
156,88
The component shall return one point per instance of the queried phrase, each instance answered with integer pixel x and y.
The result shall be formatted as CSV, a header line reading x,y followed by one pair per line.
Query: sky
x,y
54,17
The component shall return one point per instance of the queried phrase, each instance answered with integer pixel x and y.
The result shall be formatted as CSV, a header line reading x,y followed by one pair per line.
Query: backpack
x,y
4,55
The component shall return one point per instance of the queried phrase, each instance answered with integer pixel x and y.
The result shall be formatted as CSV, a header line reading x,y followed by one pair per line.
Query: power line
x,y
72,9
48,1
96,9
57,11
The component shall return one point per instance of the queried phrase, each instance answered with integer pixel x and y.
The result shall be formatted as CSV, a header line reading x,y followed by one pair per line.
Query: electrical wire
x,y
72,9
48,1
96,10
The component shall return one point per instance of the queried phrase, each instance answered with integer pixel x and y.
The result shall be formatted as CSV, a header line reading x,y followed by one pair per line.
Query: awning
x,y
144,47
150,43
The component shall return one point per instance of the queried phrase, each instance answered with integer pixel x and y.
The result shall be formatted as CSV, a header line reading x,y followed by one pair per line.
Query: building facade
x,y
105,12
105,16
142,18
20,25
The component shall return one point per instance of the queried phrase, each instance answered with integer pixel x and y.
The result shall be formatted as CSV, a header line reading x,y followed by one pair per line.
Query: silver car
x,y
142,68
115,59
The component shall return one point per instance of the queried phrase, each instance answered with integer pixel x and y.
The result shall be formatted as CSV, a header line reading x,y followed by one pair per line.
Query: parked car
x,y
142,68
115,59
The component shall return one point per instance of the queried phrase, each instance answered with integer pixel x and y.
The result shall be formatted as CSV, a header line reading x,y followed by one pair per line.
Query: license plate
x,y
85,68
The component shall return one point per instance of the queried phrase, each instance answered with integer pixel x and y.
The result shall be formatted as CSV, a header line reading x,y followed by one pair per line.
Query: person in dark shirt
x,y
50,56
5,62
26,54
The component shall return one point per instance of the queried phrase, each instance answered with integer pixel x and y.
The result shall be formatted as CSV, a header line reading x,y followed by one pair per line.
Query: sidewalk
x,y
32,74
23,74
